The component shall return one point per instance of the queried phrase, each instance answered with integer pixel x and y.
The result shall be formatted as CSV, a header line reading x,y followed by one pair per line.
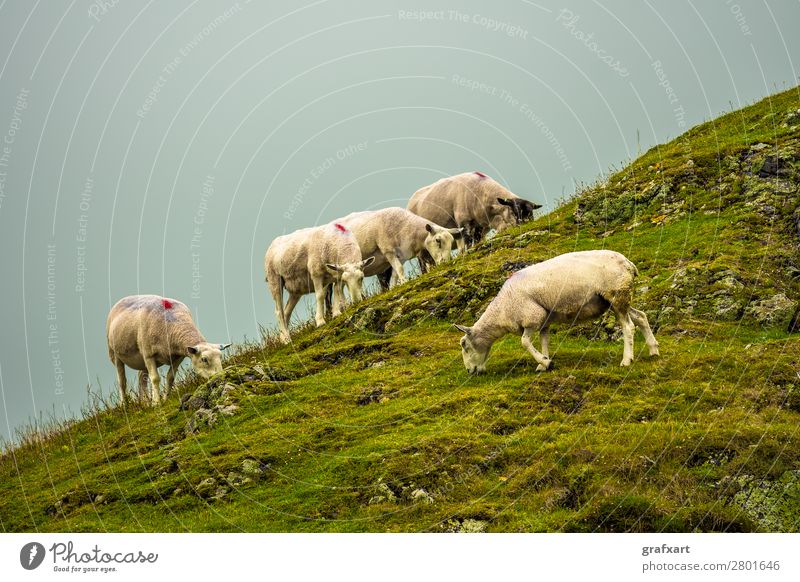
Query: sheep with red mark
x,y
145,332
472,201
309,260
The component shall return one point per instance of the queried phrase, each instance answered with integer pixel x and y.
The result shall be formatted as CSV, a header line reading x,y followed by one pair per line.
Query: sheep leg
x,y
121,379
338,299
291,303
425,261
173,367
385,278
276,288
544,336
627,335
143,379
461,243
477,234
640,320
155,380
398,274
319,291
543,361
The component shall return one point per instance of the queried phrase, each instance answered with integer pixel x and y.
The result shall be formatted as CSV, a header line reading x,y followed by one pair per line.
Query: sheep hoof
x,y
543,367
624,363
655,353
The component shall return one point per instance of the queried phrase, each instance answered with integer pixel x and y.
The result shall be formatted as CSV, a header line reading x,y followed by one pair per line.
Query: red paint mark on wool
x,y
340,227
481,174
166,303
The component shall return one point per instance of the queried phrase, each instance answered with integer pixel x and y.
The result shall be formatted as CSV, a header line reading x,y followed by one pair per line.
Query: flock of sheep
x,y
146,332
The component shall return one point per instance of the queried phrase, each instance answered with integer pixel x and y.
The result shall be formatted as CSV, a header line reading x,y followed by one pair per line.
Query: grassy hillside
x,y
372,424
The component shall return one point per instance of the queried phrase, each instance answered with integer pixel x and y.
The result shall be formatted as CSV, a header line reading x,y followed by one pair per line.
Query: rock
x,y
385,493
473,526
369,395
199,399
234,479
228,410
771,504
206,488
726,308
421,495
253,467
776,311
771,168
202,418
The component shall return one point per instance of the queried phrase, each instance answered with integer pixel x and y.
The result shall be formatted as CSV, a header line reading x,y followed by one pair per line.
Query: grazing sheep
x,y
308,260
395,235
472,201
146,332
566,289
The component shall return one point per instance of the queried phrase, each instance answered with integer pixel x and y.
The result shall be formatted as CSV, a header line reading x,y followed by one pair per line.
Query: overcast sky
x,y
160,147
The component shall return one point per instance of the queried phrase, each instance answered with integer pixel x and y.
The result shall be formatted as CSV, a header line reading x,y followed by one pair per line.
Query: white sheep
x,y
308,260
568,288
472,201
146,332
395,235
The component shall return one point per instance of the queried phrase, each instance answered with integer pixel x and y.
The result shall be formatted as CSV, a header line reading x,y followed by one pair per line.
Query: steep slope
x,y
372,424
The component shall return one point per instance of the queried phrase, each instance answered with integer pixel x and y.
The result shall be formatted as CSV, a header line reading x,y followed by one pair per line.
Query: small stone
x,y
387,492
421,495
228,410
251,467
206,487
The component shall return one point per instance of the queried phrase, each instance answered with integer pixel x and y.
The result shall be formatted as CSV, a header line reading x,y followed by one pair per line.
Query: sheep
x,y
565,289
308,260
145,332
395,235
472,201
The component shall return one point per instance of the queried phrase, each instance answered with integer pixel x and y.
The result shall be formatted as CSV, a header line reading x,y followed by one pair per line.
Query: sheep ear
x,y
505,202
224,346
536,206
333,268
429,228
367,262
463,328
192,351
456,231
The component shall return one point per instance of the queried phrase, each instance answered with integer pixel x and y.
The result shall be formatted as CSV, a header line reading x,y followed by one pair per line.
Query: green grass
x,y
371,423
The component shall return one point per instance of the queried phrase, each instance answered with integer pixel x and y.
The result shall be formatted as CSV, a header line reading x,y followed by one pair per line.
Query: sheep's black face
x,y
524,209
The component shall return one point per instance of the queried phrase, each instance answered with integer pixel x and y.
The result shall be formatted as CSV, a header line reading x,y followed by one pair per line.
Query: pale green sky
x,y
160,147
